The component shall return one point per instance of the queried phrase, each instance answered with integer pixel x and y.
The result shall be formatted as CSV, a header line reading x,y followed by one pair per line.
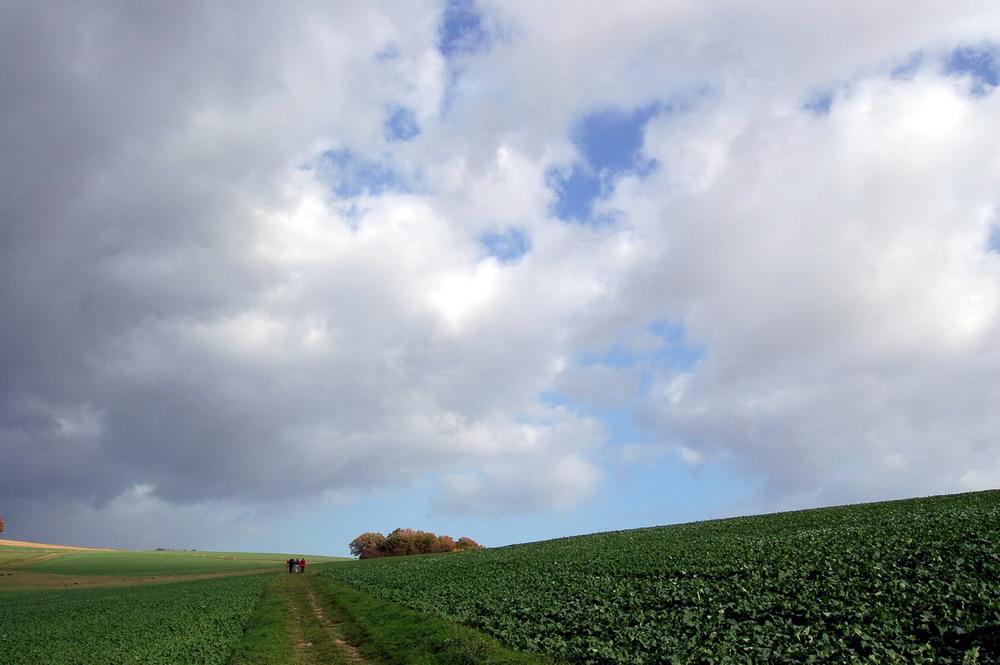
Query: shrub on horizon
x,y
405,541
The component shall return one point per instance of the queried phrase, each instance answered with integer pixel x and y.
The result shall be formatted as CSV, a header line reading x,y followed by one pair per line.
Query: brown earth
x,y
24,543
12,578
22,580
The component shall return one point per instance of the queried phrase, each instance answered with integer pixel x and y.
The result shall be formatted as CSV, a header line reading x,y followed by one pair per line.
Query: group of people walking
x,y
296,565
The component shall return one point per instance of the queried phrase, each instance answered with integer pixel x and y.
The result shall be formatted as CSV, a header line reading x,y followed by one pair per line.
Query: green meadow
x,y
183,622
153,563
896,582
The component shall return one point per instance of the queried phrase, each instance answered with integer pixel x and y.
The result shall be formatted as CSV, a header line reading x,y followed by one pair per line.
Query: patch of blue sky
x,y
388,53
350,174
462,30
908,68
981,64
576,191
661,348
677,352
557,399
507,245
819,101
660,492
672,351
618,356
611,140
669,491
993,243
610,145
647,482
400,124
620,423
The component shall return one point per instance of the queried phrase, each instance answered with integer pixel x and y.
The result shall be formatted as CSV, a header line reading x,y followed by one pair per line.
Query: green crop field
x,y
69,606
183,622
913,581
898,582
143,563
166,607
129,563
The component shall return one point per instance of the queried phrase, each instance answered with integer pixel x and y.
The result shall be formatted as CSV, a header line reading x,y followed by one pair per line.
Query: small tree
x,y
403,542
444,544
365,542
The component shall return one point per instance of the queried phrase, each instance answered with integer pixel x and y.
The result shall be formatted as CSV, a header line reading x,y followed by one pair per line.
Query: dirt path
x,y
24,543
318,638
23,580
20,560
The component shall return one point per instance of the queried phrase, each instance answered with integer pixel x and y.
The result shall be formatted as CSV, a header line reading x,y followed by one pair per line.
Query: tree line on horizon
x,y
403,542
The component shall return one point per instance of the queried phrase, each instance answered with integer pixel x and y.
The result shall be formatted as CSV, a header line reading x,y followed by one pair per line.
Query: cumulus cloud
x,y
248,253
838,269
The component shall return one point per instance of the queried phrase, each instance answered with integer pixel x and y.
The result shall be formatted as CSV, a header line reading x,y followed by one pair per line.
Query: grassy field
x,y
150,563
183,622
899,582
61,606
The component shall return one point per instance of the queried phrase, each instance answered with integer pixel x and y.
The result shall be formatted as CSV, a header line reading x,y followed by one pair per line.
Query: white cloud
x,y
836,269
530,468
600,386
194,304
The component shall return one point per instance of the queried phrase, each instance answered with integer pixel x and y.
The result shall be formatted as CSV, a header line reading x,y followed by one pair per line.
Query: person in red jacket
x,y
302,565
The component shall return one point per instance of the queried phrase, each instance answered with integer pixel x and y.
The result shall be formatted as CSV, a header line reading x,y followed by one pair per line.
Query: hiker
x,y
290,563
302,565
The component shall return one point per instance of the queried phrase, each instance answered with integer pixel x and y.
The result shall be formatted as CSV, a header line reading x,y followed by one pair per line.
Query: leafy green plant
x,y
147,563
183,622
266,639
896,582
390,633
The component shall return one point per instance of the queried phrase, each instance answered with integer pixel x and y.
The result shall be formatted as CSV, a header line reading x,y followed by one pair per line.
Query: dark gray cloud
x,y
226,286
140,143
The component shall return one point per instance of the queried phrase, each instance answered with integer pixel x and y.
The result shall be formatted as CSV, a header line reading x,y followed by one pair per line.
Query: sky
x,y
276,274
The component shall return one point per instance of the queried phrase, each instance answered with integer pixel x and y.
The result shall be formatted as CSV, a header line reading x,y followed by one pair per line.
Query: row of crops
x,y
195,622
151,563
899,582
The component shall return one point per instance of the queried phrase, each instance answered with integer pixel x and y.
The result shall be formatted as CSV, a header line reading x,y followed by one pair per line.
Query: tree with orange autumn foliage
x,y
364,542
404,542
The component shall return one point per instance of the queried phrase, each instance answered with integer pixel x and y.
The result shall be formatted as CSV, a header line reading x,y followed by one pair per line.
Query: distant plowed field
x,y
22,543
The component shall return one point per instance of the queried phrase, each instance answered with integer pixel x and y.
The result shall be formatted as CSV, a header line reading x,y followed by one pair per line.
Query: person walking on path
x,y
302,565
290,563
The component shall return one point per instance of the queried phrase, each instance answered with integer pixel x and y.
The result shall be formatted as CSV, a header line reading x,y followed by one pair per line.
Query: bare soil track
x,y
317,637
23,543
22,580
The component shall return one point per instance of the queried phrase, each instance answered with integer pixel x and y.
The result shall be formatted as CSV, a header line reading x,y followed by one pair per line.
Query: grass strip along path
x,y
306,619
63,606
318,633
